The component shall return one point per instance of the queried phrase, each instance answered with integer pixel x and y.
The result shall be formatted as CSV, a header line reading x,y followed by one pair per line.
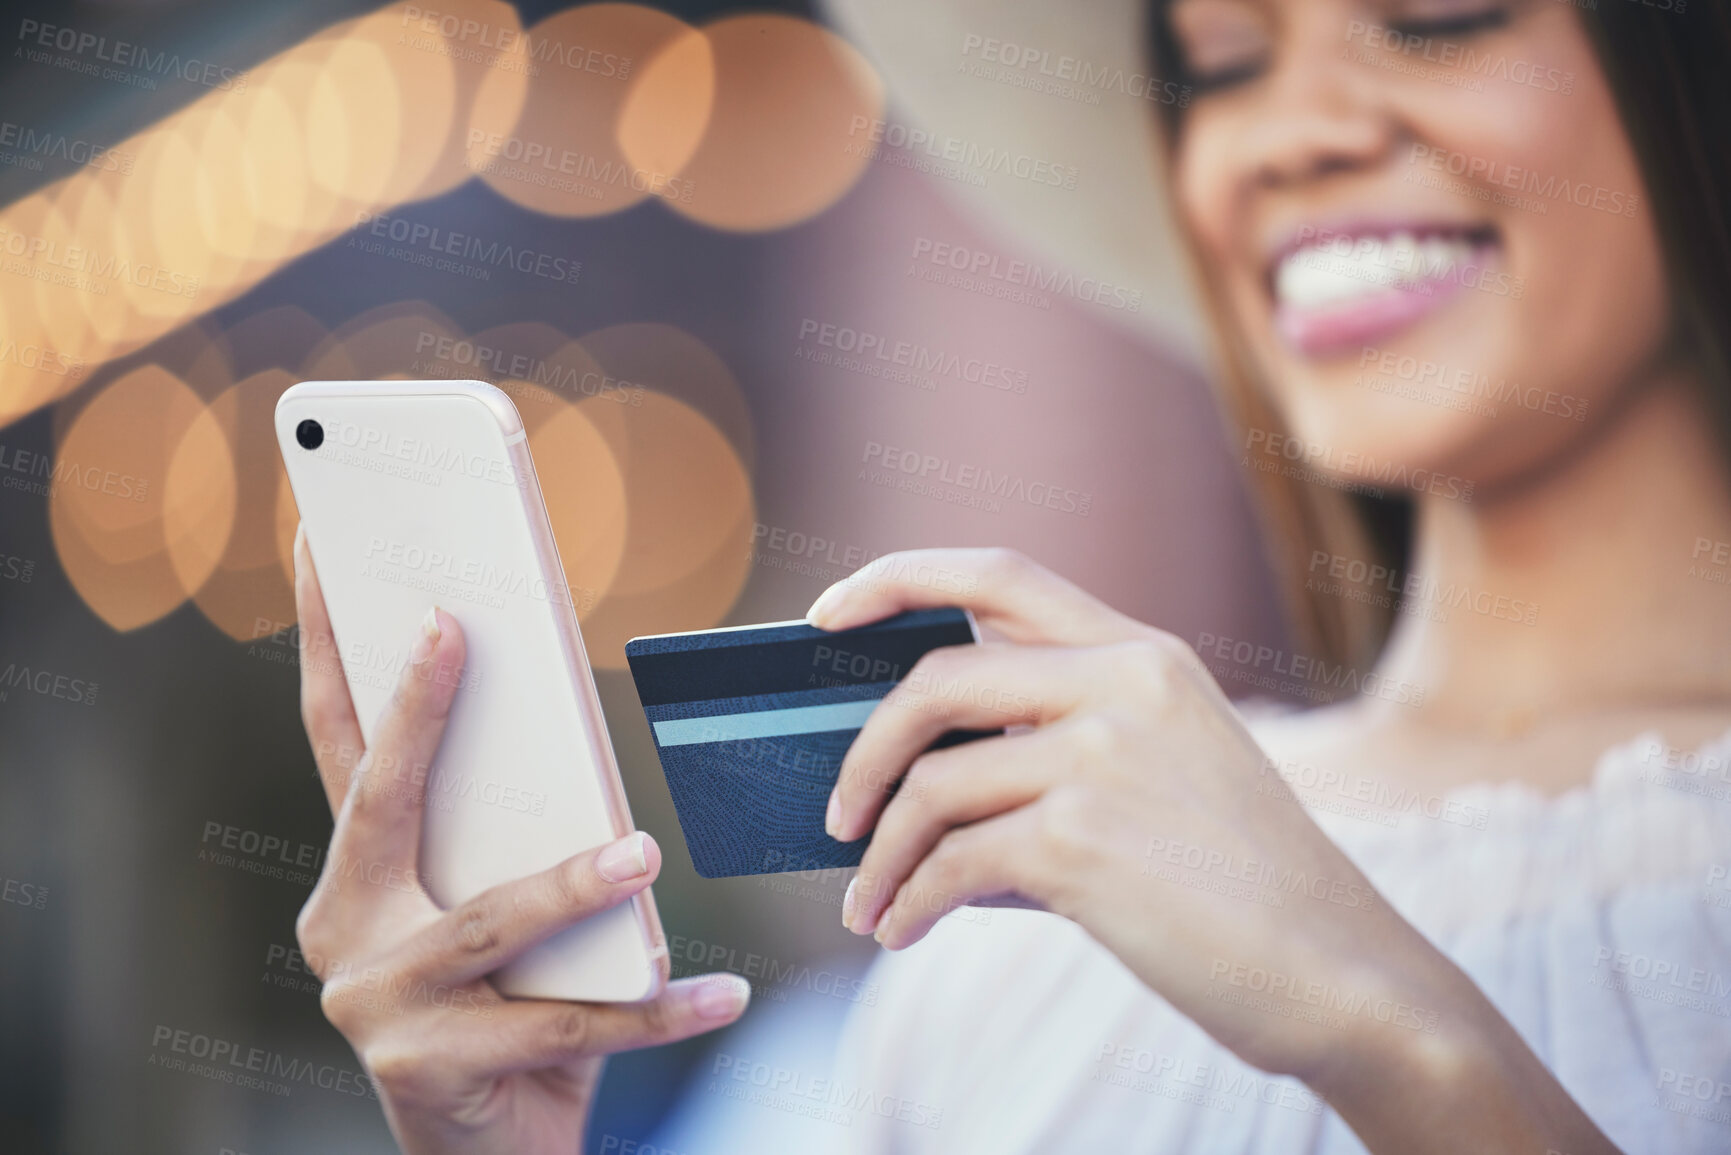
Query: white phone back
x,y
423,494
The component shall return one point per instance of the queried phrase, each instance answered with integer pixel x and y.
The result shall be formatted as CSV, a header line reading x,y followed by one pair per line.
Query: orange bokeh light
x,y
690,514
584,490
649,355
783,140
143,463
248,587
560,154
391,341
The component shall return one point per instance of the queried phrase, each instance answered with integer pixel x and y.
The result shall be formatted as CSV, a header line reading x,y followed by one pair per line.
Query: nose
x,y
1325,114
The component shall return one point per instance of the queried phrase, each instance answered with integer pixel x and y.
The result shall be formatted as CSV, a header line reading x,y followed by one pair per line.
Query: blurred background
x,y
700,232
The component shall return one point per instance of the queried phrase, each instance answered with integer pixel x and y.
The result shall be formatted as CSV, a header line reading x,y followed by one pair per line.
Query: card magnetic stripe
x,y
786,658
765,723
751,726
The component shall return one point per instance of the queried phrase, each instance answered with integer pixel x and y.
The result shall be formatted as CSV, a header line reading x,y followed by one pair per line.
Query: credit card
x,y
751,723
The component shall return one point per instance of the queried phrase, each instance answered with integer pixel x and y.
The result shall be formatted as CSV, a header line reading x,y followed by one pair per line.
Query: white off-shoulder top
x,y
1598,922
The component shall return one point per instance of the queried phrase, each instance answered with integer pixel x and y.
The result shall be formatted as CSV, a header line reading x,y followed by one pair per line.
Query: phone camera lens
x,y
310,434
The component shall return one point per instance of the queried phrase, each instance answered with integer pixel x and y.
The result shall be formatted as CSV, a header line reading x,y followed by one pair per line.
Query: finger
x,y
945,789
380,822
326,709
984,687
529,1035
1007,592
987,859
497,925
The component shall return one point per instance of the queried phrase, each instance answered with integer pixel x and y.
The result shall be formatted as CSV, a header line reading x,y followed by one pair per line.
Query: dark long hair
x,y
1669,72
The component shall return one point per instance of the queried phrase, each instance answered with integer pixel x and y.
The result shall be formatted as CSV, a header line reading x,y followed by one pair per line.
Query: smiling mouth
x,y
1333,291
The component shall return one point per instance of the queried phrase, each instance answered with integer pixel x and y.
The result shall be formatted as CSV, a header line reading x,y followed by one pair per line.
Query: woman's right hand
x,y
458,1067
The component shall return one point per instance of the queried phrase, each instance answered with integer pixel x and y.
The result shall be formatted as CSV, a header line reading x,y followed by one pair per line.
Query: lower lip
x,y
1367,320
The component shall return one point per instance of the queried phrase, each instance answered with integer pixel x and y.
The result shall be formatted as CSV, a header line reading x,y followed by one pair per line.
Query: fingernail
x,y
430,634
847,901
300,540
826,602
721,996
832,816
624,860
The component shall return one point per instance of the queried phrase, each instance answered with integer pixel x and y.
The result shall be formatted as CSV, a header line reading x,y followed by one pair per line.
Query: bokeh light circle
x,y
247,595
690,514
560,154
143,460
584,490
787,135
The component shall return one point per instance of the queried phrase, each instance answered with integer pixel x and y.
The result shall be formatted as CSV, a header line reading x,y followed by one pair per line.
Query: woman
x,y
1476,915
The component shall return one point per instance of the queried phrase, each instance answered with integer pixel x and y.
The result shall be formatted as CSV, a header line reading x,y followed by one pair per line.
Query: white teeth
x,y
1345,268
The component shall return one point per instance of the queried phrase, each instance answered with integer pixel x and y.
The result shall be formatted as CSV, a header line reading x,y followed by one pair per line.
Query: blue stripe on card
x,y
765,723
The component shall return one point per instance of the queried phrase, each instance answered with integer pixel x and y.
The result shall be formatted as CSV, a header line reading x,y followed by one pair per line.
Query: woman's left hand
x,y
1129,798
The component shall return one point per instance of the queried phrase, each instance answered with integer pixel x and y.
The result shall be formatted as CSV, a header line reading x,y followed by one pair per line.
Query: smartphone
x,y
421,493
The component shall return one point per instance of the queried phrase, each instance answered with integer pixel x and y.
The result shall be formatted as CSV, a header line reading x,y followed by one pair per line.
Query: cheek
x,y
1203,168
1556,171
